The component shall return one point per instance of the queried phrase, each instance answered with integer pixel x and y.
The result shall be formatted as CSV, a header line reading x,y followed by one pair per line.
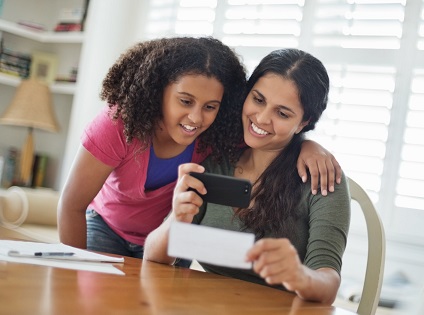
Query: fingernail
x,y
339,180
314,192
324,192
304,179
331,189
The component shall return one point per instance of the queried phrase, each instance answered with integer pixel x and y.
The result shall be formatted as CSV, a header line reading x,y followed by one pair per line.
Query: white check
x,y
210,245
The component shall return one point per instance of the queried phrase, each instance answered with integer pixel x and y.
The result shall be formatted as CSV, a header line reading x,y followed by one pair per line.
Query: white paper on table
x,y
81,260
210,245
30,248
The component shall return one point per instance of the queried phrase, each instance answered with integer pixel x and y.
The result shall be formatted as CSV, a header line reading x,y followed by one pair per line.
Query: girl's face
x,y
272,113
190,106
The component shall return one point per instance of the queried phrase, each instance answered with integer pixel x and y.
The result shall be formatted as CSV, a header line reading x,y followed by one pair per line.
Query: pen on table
x,y
41,254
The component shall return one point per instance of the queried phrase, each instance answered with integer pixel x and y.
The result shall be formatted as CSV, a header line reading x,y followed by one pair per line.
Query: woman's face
x,y
272,113
190,106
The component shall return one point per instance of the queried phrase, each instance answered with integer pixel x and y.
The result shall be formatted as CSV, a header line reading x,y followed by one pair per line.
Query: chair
x,y
376,251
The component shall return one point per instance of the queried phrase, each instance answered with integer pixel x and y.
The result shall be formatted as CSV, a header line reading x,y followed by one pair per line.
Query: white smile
x,y
258,130
188,127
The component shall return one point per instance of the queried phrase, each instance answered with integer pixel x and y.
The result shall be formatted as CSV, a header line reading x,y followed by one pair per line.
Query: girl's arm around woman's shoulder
x,y
322,166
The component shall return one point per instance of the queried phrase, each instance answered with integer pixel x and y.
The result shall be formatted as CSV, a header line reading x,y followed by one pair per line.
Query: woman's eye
x,y
282,114
258,100
210,107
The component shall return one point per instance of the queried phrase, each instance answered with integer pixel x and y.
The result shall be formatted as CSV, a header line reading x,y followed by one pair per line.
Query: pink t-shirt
x,y
122,202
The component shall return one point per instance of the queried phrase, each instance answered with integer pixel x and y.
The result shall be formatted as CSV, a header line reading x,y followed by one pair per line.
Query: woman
x,y
300,237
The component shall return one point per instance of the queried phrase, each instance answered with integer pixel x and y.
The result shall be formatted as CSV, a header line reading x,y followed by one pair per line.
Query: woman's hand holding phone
x,y
194,187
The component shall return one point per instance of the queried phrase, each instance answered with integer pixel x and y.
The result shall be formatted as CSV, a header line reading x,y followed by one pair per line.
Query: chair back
x,y
371,290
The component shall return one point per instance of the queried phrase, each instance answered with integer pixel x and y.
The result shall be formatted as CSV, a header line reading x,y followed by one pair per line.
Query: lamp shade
x,y
31,107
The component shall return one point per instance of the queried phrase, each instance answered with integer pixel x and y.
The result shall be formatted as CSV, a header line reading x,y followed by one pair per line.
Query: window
x,y
374,53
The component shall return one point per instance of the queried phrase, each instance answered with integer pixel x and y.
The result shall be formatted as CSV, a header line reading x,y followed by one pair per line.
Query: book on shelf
x,y
15,56
72,77
70,20
10,168
14,63
10,57
32,25
14,70
39,170
68,27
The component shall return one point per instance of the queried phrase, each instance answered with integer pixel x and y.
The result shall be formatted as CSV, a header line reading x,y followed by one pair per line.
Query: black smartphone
x,y
225,190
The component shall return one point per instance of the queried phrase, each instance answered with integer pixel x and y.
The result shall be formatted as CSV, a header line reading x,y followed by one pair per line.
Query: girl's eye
x,y
185,102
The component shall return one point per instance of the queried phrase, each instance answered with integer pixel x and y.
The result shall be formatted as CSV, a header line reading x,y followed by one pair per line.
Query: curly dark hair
x,y
278,190
135,84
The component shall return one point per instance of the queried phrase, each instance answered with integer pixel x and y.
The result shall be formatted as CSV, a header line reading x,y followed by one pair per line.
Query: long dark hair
x,y
278,190
134,87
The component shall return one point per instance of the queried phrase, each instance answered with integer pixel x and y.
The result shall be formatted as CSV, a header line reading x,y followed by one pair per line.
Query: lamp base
x,y
27,159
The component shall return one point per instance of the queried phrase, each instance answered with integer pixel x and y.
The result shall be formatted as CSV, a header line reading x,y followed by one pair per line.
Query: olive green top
x,y
321,232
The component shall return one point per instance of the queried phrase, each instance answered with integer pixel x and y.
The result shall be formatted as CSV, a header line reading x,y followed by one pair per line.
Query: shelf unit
x,y
41,37
67,47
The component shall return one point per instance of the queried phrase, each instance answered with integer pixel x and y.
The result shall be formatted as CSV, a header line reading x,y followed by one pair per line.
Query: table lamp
x,y
31,107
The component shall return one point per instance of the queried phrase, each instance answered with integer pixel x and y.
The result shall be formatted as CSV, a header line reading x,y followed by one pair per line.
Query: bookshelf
x,y
66,46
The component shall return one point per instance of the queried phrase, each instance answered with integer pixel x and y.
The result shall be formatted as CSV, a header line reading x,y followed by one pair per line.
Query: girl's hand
x,y
277,262
185,202
322,166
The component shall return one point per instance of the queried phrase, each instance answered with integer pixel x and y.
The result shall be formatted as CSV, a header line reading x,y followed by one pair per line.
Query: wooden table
x,y
146,288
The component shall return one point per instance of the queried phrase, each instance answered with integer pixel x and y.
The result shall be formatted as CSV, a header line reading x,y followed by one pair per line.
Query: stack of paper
x,y
57,255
